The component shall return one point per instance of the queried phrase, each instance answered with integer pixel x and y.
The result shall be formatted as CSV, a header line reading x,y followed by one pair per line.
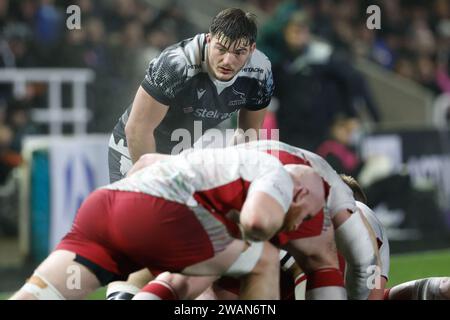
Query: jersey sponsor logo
x,y
253,70
240,94
235,103
242,99
194,66
213,114
200,93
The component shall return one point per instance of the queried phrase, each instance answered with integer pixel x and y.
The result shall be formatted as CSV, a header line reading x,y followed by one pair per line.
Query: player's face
x,y
225,59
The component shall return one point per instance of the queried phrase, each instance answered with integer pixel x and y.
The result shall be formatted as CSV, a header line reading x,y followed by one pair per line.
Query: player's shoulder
x,y
373,220
369,214
168,73
364,208
186,55
258,66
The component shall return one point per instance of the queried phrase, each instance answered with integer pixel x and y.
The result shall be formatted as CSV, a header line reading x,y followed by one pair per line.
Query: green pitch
x,y
403,268
415,266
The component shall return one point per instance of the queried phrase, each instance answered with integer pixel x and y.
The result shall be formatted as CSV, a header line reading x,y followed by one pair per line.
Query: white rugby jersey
x,y
380,233
218,180
340,195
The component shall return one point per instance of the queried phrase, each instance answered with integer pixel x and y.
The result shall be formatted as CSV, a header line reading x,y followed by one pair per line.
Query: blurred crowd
x,y
117,39
313,45
413,41
321,97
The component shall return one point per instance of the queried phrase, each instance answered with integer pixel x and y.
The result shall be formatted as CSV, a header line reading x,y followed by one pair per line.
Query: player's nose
x,y
228,59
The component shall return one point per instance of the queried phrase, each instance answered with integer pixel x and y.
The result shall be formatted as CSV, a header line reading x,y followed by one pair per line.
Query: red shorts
x,y
123,232
309,228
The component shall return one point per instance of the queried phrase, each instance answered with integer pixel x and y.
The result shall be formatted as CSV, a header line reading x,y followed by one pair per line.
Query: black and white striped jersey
x,y
179,78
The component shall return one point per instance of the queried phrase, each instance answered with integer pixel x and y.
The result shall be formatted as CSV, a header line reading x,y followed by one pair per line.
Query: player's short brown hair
x,y
234,24
358,192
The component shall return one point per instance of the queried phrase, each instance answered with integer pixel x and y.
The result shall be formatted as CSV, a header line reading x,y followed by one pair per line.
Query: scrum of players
x,y
227,223
219,223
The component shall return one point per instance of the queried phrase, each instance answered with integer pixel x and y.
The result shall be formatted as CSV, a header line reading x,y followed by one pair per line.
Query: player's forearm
x,y
140,144
145,116
249,124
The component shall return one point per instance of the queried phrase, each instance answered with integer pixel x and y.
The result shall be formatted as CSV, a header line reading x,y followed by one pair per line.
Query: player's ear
x,y
208,37
302,191
299,193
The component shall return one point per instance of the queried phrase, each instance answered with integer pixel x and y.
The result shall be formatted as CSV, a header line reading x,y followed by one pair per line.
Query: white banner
x,y
78,165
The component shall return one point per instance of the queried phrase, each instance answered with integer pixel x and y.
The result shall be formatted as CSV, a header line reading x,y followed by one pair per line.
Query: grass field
x,y
415,266
403,268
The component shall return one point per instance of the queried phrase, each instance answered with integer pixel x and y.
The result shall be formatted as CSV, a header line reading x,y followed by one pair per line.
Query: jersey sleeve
x,y
166,75
264,91
278,184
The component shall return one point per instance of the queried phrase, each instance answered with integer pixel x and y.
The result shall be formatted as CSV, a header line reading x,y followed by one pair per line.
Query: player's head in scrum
x,y
308,197
231,41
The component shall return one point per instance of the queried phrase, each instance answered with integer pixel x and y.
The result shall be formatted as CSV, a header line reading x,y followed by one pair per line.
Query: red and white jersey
x,y
380,233
340,196
218,180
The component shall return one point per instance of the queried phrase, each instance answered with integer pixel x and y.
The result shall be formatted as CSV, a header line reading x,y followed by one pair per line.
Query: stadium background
x,y
61,92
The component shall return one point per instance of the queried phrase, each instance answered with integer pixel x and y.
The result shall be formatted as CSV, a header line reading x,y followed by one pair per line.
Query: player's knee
x,y
39,288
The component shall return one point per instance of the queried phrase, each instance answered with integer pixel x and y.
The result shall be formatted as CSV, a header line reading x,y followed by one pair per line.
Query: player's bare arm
x,y
248,119
145,116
